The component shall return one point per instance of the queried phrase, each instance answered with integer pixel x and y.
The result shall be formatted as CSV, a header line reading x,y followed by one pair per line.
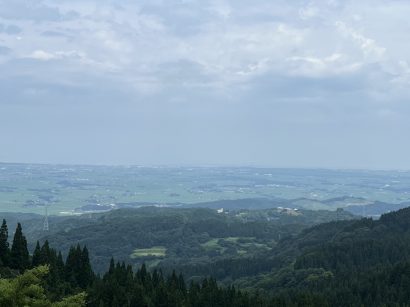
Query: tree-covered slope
x,y
348,263
341,263
169,237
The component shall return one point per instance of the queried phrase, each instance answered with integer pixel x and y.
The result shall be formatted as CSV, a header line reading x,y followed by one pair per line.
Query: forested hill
x,y
44,279
170,237
348,263
340,263
360,244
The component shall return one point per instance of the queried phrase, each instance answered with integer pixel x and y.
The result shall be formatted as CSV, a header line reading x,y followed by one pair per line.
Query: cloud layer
x,y
281,83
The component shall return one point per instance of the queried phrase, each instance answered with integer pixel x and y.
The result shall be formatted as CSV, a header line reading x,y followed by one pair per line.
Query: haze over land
x,y
275,83
190,153
83,189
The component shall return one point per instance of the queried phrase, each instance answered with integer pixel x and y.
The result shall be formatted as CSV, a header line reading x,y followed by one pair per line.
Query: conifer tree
x,y
19,259
36,260
71,266
45,253
85,274
60,265
4,245
112,266
78,269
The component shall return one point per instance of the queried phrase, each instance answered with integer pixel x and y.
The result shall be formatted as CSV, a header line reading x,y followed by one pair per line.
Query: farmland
x,y
78,189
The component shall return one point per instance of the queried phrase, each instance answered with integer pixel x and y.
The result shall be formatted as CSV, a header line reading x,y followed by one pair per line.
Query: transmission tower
x,y
45,225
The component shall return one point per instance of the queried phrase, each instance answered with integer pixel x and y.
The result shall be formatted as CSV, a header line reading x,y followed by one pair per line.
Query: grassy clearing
x,y
232,239
213,245
243,245
157,251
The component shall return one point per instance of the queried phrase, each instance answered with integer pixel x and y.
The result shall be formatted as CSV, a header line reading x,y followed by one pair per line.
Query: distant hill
x,y
348,263
376,209
356,205
286,253
168,236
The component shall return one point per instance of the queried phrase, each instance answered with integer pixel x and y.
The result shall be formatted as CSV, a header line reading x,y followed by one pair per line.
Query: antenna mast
x,y
45,225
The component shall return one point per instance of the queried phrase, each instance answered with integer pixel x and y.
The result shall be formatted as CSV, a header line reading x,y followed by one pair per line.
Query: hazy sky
x,y
262,82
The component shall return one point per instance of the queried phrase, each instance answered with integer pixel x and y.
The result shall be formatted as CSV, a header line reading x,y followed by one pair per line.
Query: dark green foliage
x,y
36,258
183,232
86,274
350,263
355,263
362,245
78,270
4,245
120,287
20,259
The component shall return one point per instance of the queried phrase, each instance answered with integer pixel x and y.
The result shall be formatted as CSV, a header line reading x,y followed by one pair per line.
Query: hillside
x,y
273,254
171,237
363,261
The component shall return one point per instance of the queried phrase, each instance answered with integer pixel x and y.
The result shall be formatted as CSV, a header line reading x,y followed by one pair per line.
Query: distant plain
x,y
71,189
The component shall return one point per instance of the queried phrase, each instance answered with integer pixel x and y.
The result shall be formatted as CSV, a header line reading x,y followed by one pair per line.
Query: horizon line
x,y
210,165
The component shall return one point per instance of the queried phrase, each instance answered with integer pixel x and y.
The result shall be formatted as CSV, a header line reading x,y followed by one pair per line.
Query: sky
x,y
275,83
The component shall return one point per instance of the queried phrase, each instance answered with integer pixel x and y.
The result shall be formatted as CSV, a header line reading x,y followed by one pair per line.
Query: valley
x,y
167,237
70,189
305,244
285,261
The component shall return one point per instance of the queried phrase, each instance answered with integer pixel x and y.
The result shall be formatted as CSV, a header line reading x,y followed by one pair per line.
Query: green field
x,y
157,251
213,245
68,190
242,245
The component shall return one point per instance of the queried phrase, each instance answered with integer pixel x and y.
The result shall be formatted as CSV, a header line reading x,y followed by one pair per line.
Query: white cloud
x,y
42,55
368,46
46,56
263,78
321,67
308,12
231,42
